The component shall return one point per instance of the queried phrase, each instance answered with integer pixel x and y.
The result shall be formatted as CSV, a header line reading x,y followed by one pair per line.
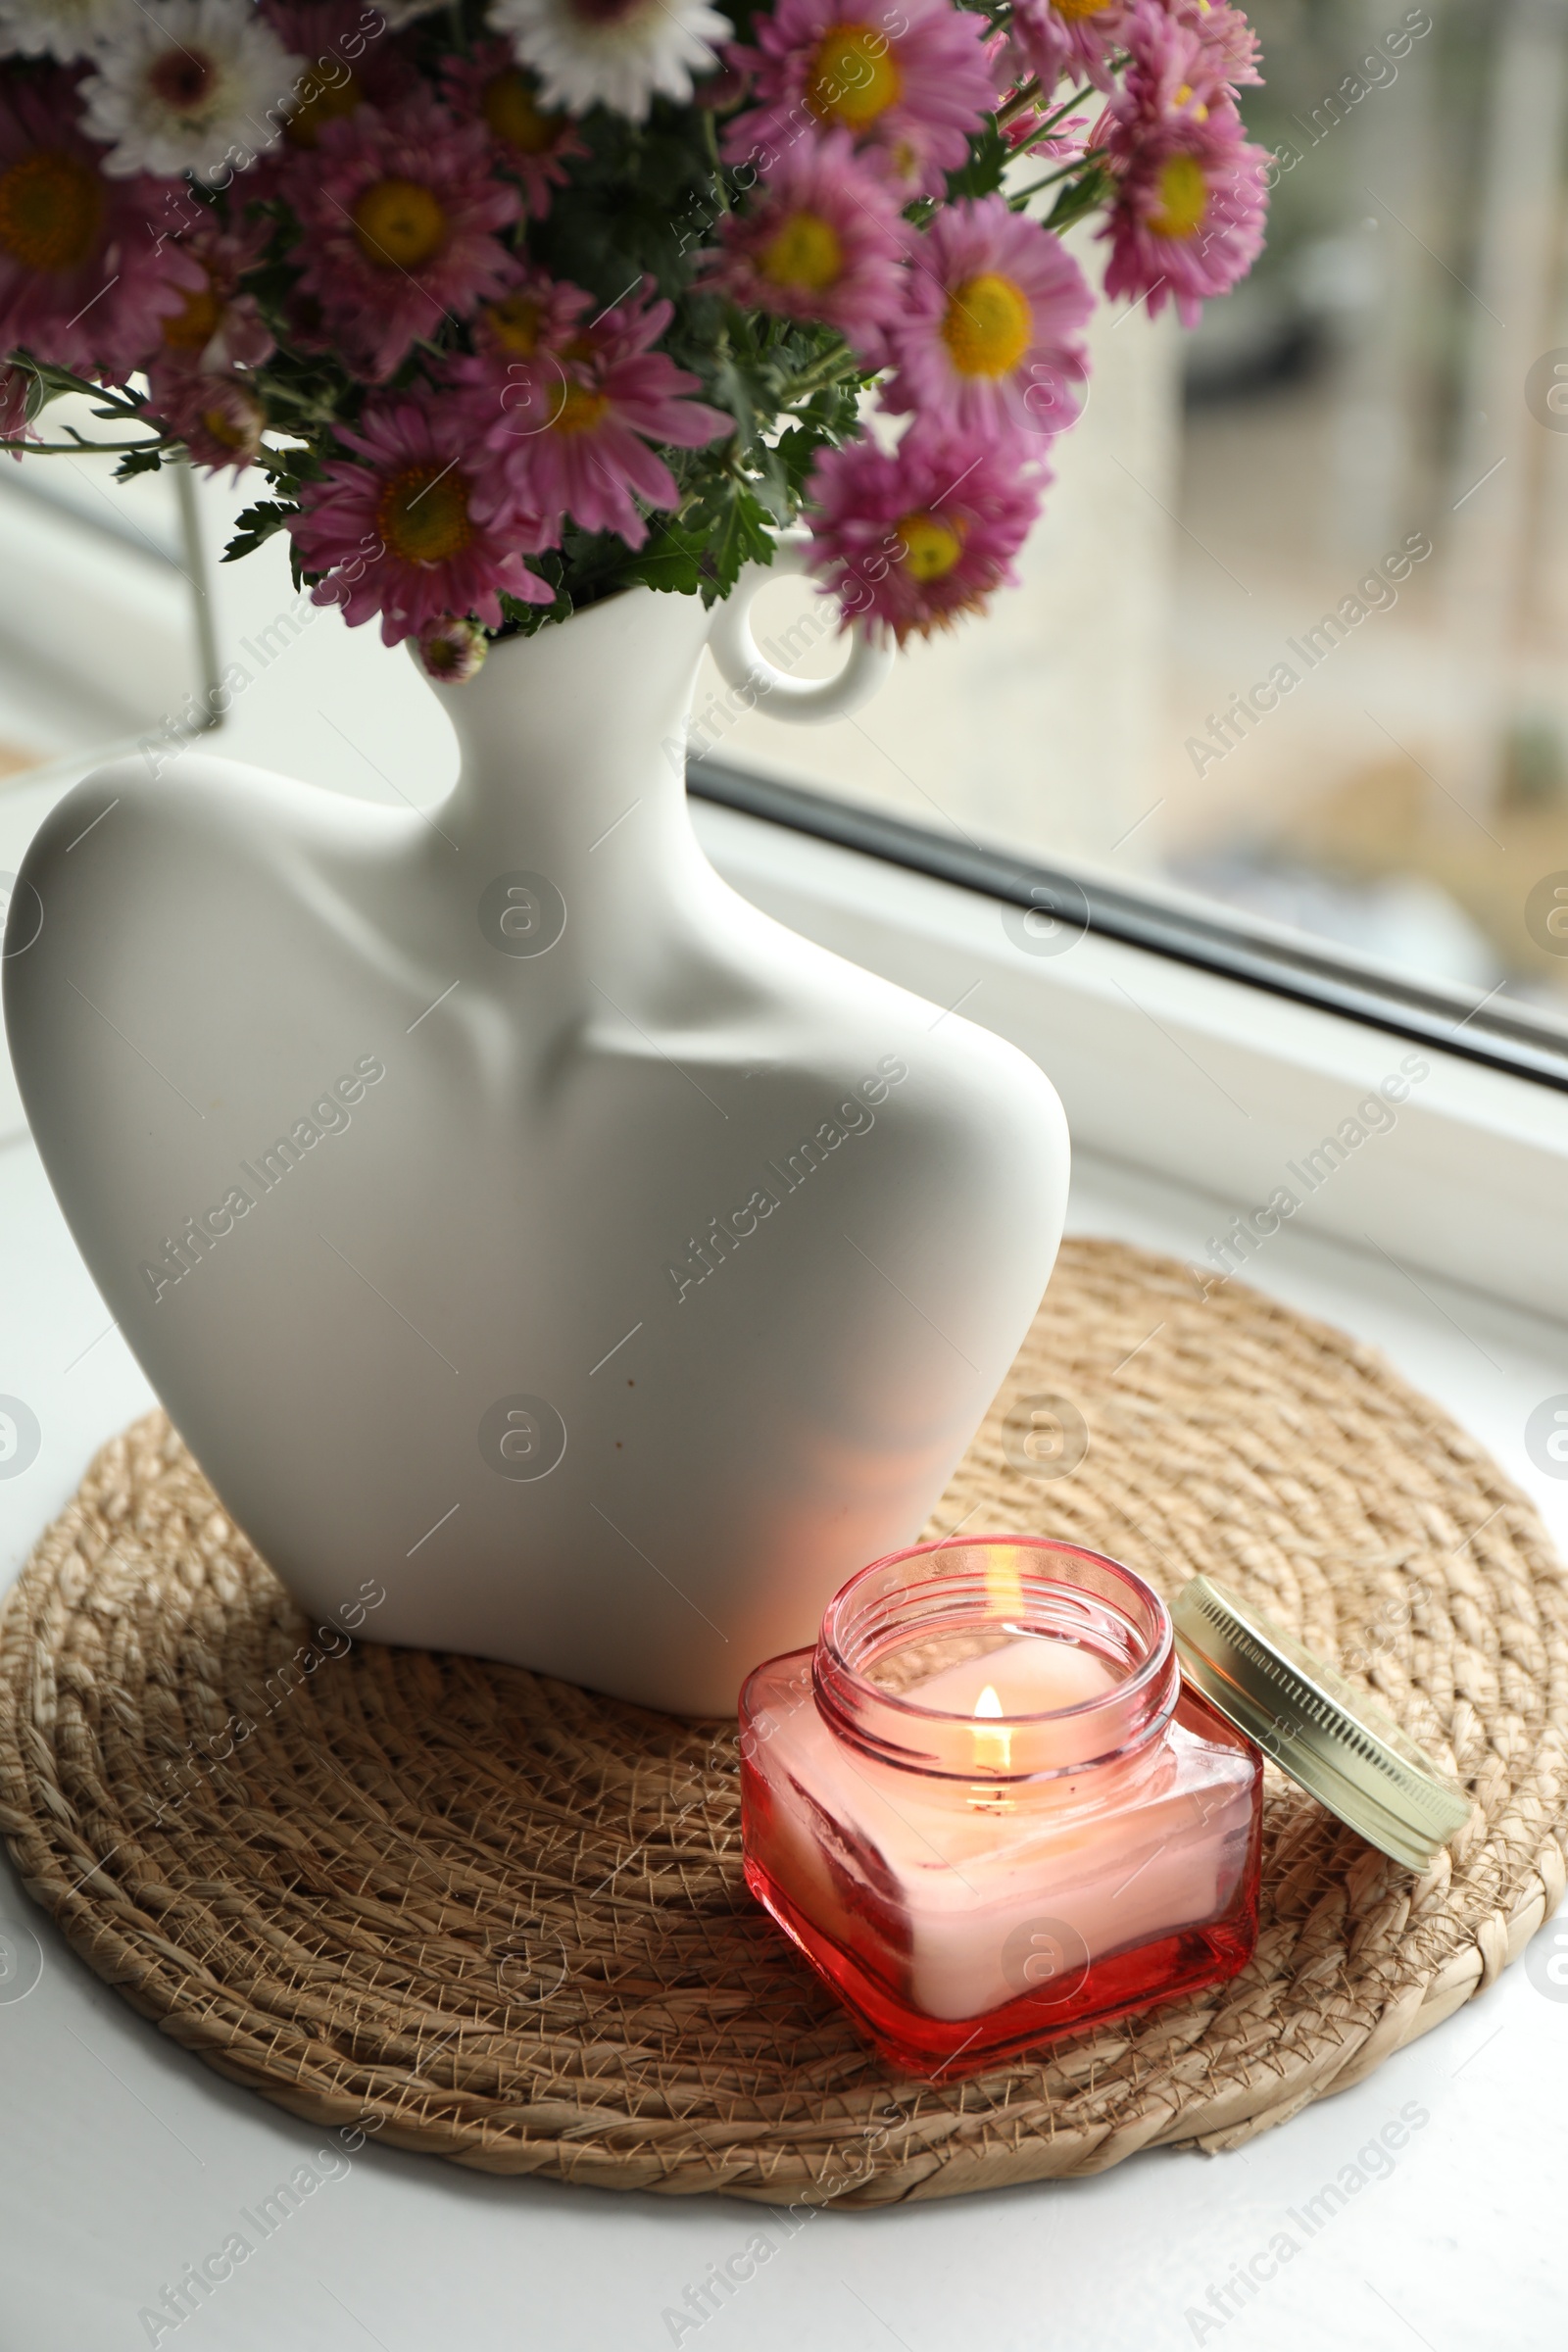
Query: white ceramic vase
x,y
504,1210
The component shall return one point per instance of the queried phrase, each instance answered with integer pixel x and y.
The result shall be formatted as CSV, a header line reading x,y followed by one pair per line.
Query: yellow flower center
x,y
422,514
989,325
854,78
510,109
515,323
193,326
804,254
326,102
399,223
1182,198
233,427
50,208
452,652
930,548
1074,10
580,410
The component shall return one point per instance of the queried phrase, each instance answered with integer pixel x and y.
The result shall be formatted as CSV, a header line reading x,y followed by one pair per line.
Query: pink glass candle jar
x,y
988,1810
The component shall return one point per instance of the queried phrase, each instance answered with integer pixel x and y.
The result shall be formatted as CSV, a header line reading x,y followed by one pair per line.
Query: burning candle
x,y
985,1809
993,1749
1031,1675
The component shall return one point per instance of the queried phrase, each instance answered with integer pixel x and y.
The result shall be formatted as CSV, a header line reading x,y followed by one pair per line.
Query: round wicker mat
x,y
501,1919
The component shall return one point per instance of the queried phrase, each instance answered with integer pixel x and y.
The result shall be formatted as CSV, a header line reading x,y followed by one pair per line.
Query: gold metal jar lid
x,y
1338,1744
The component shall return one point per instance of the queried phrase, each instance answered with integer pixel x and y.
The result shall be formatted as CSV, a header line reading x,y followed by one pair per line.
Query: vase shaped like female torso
x,y
510,1216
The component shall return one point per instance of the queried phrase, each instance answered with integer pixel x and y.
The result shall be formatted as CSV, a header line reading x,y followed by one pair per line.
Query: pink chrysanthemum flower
x,y
16,391
418,523
192,380
1230,41
1174,70
518,371
1188,218
909,541
84,281
218,324
820,238
533,321
533,146
345,62
1068,40
399,214
454,652
909,78
590,456
991,338
216,415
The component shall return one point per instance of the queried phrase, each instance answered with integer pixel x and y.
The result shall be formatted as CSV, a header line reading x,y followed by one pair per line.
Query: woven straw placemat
x,y
501,1919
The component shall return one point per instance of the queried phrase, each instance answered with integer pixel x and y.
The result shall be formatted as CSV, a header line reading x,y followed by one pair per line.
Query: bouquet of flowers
x,y
515,303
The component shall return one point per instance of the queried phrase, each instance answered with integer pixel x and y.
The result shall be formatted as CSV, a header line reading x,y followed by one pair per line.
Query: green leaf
x,y
140,460
981,176
525,620
733,389
772,488
41,392
672,561
255,527
1080,196
734,529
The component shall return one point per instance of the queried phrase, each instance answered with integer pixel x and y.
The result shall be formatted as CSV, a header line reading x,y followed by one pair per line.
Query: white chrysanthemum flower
x,y
61,28
189,85
613,53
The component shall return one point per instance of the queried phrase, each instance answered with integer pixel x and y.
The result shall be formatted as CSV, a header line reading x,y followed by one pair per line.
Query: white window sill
x,y
1185,1074
106,2117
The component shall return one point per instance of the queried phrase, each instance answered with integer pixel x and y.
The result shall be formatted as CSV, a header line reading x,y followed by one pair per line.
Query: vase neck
x,y
572,742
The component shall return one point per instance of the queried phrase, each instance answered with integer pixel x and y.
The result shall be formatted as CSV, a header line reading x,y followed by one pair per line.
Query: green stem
x,y
1021,196
62,379
833,367
1018,103
110,407
1048,123
320,408
88,449
711,135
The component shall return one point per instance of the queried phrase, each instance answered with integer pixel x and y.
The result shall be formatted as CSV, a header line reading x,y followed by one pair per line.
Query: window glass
x,y
98,631
1291,635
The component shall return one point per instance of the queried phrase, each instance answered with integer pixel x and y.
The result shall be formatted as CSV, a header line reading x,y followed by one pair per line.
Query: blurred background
x,y
1394,374
1349,489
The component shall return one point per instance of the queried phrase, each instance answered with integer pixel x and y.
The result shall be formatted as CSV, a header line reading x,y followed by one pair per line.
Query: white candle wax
x,y
1116,1854
1032,1675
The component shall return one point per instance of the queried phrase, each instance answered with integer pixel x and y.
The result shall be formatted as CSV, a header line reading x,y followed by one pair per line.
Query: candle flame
x,y
993,1749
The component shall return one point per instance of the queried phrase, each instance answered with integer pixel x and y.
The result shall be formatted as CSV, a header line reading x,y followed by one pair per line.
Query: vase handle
x,y
743,666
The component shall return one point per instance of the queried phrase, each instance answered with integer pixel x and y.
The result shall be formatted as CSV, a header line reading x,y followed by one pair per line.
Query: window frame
x,y
1199,1077
1167,922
